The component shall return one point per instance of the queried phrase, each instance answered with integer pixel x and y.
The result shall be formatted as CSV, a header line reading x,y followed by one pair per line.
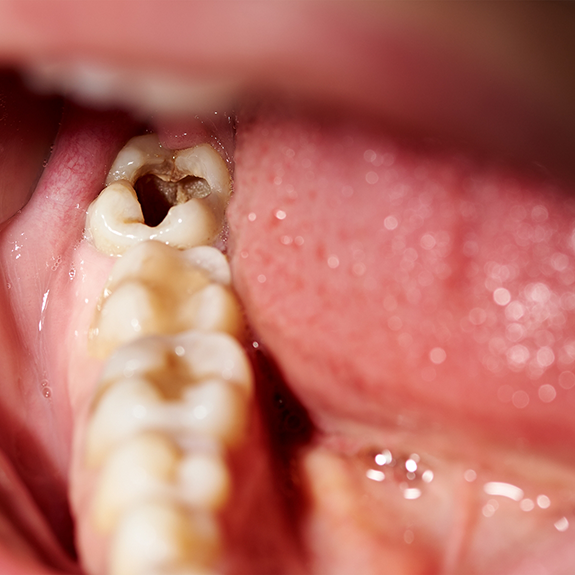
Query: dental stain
x,y
157,196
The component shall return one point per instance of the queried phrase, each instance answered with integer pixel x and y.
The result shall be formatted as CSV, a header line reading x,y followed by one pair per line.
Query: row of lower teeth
x,y
176,388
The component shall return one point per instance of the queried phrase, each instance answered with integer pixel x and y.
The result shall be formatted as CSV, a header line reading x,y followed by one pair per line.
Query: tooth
x,y
155,289
122,410
201,355
162,535
139,469
194,385
212,408
115,220
205,480
214,308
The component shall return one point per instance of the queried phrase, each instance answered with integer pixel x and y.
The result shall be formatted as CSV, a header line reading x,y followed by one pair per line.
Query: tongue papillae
x,y
397,283
412,298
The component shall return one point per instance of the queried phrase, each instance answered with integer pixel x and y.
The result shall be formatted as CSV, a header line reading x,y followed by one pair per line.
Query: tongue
x,y
402,284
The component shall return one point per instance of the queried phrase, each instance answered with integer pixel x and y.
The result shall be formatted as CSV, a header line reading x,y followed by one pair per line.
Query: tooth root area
x,y
181,199
162,535
155,289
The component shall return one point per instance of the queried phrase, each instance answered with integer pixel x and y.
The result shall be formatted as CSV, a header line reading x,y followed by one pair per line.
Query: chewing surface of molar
x,y
195,182
155,289
194,370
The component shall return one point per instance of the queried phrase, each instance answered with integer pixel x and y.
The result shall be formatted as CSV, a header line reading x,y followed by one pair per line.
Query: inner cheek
x,y
393,282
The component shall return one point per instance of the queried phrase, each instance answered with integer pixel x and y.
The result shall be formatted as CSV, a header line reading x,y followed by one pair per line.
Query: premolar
x,y
195,182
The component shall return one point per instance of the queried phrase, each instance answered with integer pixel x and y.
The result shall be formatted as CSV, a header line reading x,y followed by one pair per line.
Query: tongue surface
x,y
397,283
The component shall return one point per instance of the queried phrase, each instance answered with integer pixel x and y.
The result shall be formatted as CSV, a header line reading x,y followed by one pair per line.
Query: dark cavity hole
x,y
156,196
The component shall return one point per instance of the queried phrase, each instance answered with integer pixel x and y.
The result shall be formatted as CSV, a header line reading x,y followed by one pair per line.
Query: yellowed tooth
x,y
115,221
175,361
155,289
162,535
141,468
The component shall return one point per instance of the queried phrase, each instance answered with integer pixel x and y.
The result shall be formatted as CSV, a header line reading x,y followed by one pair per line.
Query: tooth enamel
x,y
213,408
132,312
155,289
115,220
138,469
199,355
122,411
214,308
192,385
205,480
162,535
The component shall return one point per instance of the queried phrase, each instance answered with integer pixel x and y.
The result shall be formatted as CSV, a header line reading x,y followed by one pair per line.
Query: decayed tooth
x,y
115,220
155,289
161,535
141,468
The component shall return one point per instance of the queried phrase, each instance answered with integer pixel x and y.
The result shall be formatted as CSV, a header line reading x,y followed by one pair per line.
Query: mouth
x,y
285,339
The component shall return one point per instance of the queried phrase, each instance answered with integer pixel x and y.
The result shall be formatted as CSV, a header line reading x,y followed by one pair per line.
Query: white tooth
x,y
213,261
212,408
205,480
138,469
161,535
115,220
143,91
215,356
122,411
136,359
214,308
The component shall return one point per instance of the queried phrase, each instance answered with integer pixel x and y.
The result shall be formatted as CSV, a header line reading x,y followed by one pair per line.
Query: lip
x,y
427,69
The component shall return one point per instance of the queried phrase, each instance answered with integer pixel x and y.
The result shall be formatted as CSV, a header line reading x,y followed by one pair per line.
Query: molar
x,y
155,289
194,385
195,182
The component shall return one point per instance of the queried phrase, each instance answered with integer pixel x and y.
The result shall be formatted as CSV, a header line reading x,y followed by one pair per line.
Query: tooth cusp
x,y
155,289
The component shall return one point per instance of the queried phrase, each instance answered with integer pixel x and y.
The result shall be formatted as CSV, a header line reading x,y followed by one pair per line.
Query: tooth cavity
x,y
183,196
155,289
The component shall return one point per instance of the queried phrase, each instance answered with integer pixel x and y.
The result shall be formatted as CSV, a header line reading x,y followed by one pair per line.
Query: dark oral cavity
x,y
419,240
